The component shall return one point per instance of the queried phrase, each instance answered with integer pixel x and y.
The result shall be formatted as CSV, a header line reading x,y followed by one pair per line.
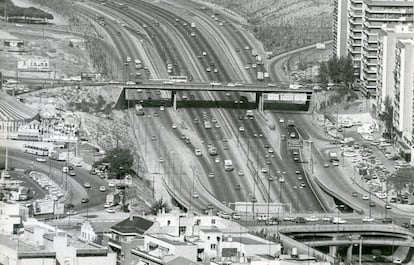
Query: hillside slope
x,y
285,24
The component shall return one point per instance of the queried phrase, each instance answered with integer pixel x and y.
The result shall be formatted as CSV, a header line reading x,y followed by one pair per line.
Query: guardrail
x,y
365,241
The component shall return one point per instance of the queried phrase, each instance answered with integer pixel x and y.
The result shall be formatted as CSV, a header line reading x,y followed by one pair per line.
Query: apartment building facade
x,y
403,100
387,39
377,14
364,20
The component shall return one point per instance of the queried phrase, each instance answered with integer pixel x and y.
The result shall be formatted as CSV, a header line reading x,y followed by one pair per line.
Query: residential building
x,y
354,40
43,244
387,39
365,18
403,97
11,218
376,14
193,238
340,28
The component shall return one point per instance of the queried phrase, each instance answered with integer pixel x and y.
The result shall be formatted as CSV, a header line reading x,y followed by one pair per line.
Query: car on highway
x,y
65,169
247,48
247,67
326,165
153,138
368,219
41,159
365,197
195,194
197,152
217,125
264,170
354,194
174,126
77,164
270,150
281,120
241,173
84,200
111,184
87,185
208,69
300,177
281,179
130,83
289,218
210,175
102,188
192,34
302,184
107,204
215,70
371,204
388,206
71,212
110,210
217,160
204,53
72,173
335,163
231,85
236,216
238,187
337,220
128,59
215,84
397,261
311,219
225,139
297,172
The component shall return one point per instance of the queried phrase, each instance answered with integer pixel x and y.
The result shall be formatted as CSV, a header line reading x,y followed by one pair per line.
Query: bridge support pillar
x,y
259,101
174,99
349,253
332,251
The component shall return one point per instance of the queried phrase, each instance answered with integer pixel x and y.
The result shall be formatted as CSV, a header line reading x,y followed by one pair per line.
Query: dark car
x,y
84,200
387,220
300,220
405,225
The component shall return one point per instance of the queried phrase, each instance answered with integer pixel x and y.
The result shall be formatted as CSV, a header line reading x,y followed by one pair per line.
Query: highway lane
x,y
19,159
231,184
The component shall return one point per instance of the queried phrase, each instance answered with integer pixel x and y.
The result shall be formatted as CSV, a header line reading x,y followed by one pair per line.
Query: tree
x,y
120,162
158,205
403,180
387,117
323,74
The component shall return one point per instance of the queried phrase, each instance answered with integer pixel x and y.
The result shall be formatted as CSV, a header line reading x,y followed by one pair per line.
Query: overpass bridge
x,y
334,235
278,93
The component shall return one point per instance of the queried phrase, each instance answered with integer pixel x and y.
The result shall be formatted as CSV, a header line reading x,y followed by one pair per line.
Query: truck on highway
x,y
266,74
55,155
207,125
259,60
228,165
249,113
333,157
139,110
260,75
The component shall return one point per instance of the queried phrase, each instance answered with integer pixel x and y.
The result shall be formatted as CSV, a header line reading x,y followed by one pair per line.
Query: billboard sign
x,y
47,207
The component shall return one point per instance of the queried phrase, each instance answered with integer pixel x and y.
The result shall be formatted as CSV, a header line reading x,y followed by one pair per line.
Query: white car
x,y
264,170
65,169
174,126
241,173
162,108
337,220
110,210
368,219
111,184
198,152
282,120
210,175
217,160
311,219
236,216
397,261
107,204
241,129
71,212
102,188
77,164
41,159
365,197
195,194
281,179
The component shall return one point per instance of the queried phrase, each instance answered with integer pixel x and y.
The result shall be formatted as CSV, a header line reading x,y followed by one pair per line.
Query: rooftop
x,y
243,240
23,246
134,225
181,261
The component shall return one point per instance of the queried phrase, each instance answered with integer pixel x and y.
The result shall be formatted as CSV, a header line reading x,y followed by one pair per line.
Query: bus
x,y
178,78
138,64
36,150
139,110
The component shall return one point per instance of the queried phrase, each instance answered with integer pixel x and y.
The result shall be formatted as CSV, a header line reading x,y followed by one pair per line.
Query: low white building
x,y
43,244
10,218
